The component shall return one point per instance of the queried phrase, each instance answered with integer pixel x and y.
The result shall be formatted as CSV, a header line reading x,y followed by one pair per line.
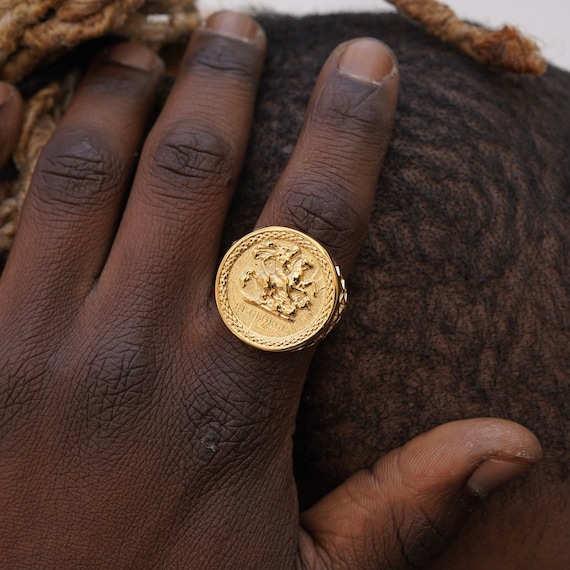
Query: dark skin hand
x,y
135,430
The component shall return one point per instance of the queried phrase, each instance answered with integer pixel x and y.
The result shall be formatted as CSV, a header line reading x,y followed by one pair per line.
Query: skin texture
x,y
136,431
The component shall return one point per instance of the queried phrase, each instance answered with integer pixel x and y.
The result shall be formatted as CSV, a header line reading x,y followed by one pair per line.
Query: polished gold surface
x,y
278,289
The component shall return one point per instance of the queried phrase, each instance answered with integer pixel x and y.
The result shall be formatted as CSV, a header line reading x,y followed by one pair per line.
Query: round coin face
x,y
278,289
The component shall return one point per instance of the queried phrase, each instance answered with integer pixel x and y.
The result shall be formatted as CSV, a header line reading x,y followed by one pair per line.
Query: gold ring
x,y
279,290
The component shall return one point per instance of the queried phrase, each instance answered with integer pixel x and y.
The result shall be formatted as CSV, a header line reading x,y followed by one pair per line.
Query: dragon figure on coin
x,y
281,288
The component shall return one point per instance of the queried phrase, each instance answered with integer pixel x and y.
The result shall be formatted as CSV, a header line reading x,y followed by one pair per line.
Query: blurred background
x,y
547,21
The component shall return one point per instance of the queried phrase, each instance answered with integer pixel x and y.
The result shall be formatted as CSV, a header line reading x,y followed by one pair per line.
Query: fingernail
x,y
367,60
233,25
6,93
131,54
493,473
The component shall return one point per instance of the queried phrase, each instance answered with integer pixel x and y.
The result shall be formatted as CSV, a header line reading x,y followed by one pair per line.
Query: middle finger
x,y
190,163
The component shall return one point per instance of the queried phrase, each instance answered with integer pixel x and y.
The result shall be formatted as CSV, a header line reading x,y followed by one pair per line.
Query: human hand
x,y
135,430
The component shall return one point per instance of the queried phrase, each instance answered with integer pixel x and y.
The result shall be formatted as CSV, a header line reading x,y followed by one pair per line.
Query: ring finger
x,y
328,187
71,211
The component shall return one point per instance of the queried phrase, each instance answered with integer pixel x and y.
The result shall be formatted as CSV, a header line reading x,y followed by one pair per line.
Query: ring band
x,y
279,290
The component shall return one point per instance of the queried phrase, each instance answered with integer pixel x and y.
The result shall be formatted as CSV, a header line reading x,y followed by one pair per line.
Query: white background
x,y
547,21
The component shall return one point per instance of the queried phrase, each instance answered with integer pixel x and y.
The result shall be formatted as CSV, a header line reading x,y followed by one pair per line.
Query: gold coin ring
x,y
279,290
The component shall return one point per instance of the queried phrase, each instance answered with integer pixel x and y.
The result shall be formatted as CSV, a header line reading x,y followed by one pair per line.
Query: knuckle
x,y
118,81
351,110
216,54
318,209
199,159
76,169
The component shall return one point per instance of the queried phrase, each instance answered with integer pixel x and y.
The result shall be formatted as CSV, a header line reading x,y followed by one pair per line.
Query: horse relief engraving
x,y
281,284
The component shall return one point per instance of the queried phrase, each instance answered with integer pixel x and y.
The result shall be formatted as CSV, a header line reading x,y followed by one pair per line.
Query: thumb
x,y
11,115
404,511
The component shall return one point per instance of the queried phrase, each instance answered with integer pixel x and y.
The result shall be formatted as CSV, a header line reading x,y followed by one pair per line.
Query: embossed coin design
x,y
278,289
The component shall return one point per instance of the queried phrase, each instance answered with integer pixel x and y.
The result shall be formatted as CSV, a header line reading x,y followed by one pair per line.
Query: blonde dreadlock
x,y
33,31
506,48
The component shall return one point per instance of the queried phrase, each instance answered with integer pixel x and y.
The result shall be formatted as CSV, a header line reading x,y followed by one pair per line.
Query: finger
x,y
74,202
328,187
11,116
191,161
405,510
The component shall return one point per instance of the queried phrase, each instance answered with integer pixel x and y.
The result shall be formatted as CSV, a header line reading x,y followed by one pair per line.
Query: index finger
x,y
328,187
276,289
